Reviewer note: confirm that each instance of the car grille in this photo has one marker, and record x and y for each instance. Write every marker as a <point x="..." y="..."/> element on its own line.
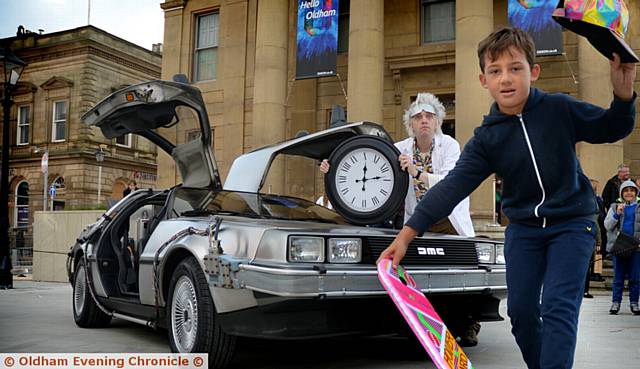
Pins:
<point x="456" y="252"/>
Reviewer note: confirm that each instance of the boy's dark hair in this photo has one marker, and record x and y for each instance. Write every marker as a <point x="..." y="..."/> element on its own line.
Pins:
<point x="504" y="38"/>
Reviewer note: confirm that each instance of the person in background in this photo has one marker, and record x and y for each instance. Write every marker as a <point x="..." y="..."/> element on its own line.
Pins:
<point x="132" y="186"/>
<point x="529" y="139"/>
<point x="601" y="240"/>
<point x="611" y="188"/>
<point x="427" y="155"/>
<point x="624" y="216"/>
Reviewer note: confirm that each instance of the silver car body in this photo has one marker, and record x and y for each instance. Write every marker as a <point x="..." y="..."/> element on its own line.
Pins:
<point x="253" y="268"/>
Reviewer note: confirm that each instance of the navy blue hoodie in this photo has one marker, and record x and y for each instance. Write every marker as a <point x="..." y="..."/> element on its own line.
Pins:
<point x="534" y="153"/>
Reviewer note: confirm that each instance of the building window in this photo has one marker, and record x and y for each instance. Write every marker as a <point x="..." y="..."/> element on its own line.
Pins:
<point x="21" y="216"/>
<point x="206" y="50"/>
<point x="438" y="20"/>
<point x="24" y="121"/>
<point x="343" y="25"/>
<point x="59" y="128"/>
<point x="124" y="140"/>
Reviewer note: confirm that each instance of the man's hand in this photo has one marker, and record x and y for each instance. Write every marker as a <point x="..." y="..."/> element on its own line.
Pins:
<point x="398" y="247"/>
<point x="324" y="166"/>
<point x="406" y="163"/>
<point x="622" y="77"/>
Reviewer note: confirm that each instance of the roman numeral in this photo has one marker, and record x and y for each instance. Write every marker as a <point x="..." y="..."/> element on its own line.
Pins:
<point x="383" y="192"/>
<point x="364" y="203"/>
<point x="342" y="179"/>
<point x="353" y="159"/>
<point x="365" y="155"/>
<point x="376" y="159"/>
<point x="353" y="200"/>
<point x="344" y="191"/>
<point x="375" y="200"/>
<point x="385" y="168"/>
<point x="345" y="166"/>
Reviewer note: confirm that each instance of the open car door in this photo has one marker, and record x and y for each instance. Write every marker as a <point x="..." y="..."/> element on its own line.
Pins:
<point x="145" y="108"/>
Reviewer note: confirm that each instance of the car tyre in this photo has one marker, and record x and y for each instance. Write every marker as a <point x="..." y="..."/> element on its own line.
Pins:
<point x="86" y="312"/>
<point x="192" y="322"/>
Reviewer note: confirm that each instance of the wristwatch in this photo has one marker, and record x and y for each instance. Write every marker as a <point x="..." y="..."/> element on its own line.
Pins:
<point x="418" y="174"/>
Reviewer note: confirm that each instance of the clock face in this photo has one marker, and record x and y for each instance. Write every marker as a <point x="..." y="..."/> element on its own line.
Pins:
<point x="364" y="179"/>
<point x="365" y="183"/>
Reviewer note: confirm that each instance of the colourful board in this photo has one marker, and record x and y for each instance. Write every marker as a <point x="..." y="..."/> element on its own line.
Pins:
<point x="422" y="318"/>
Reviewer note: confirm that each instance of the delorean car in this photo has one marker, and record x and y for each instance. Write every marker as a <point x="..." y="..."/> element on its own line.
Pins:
<point x="210" y="262"/>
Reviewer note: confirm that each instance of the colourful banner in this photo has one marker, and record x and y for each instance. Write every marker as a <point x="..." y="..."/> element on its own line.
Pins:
<point x="317" y="39"/>
<point x="534" y="17"/>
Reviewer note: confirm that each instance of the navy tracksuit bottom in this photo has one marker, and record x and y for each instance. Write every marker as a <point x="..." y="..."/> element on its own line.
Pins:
<point x="546" y="270"/>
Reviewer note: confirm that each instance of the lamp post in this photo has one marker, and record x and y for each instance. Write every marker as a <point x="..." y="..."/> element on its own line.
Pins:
<point x="12" y="68"/>
<point x="99" y="159"/>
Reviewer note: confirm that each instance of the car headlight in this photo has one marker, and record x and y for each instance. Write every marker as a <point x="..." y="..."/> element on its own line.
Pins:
<point x="345" y="250"/>
<point x="305" y="249"/>
<point x="486" y="253"/>
<point x="500" y="254"/>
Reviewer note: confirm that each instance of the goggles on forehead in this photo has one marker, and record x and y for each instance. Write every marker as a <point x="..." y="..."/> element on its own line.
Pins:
<point x="418" y="108"/>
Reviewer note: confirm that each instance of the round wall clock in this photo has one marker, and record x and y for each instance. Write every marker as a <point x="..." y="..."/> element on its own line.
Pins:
<point x="365" y="183"/>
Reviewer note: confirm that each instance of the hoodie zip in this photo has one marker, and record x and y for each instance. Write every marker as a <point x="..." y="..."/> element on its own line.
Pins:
<point x="535" y="167"/>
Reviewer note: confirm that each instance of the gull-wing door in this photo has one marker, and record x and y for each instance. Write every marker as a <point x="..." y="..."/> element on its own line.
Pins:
<point x="249" y="171"/>
<point x="146" y="109"/>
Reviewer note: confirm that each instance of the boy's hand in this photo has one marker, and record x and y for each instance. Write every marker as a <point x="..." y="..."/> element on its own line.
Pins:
<point x="622" y="77"/>
<point x="399" y="246"/>
<point x="324" y="166"/>
<point x="620" y="209"/>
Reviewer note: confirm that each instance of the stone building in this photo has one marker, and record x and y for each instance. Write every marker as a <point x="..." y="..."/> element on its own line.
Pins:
<point x="68" y="72"/>
<point x="241" y="54"/>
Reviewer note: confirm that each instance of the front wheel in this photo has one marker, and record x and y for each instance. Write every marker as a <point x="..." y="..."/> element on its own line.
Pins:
<point x="86" y="312"/>
<point x="191" y="318"/>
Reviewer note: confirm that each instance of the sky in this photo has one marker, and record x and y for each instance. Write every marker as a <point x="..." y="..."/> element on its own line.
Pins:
<point x="137" y="21"/>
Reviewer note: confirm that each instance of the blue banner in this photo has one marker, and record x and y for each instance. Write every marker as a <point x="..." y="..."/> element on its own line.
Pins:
<point x="534" y="17"/>
<point x="317" y="38"/>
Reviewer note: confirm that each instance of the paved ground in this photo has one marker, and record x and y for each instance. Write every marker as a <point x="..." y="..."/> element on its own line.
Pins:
<point x="36" y="317"/>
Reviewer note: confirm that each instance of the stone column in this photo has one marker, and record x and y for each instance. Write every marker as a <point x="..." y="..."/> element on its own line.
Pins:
<point x="233" y="60"/>
<point x="171" y="65"/>
<point x="594" y="86"/>
<point x="474" y="21"/>
<point x="366" y="61"/>
<point x="270" y="84"/>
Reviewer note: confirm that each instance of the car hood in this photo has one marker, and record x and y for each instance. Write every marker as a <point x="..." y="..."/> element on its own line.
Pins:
<point x="141" y="109"/>
<point x="249" y="171"/>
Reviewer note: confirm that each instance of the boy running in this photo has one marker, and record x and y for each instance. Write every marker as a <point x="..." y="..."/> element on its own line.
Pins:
<point x="529" y="139"/>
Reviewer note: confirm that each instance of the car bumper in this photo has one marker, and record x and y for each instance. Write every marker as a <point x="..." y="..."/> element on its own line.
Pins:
<point x="363" y="281"/>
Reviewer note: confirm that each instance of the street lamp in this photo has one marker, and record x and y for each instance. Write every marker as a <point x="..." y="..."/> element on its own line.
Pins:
<point x="99" y="159"/>
<point x="12" y="68"/>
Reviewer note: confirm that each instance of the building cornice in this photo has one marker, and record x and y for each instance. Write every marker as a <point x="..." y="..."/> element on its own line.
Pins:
<point x="171" y="5"/>
<point x="90" y="48"/>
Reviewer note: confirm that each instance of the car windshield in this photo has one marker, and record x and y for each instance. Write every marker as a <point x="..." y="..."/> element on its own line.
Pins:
<point x="199" y="202"/>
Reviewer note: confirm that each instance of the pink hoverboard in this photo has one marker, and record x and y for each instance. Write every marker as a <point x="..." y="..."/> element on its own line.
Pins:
<point x="422" y="318"/>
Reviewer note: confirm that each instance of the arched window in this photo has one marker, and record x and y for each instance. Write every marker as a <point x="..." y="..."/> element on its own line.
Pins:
<point x="57" y="201"/>
<point x="21" y="210"/>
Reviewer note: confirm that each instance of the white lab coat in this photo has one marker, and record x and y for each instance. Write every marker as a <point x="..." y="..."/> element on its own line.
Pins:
<point x="445" y="154"/>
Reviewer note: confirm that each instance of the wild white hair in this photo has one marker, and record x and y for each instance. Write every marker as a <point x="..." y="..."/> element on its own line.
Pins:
<point x="424" y="98"/>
